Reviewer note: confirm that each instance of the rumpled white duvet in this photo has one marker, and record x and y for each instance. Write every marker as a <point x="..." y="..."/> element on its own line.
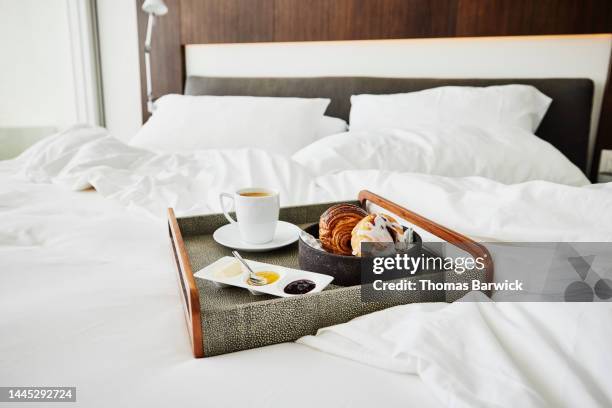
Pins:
<point x="482" y="354"/>
<point x="88" y="297"/>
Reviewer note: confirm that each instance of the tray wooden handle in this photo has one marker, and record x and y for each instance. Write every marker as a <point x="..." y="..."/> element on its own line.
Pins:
<point x="189" y="290"/>
<point x="461" y="241"/>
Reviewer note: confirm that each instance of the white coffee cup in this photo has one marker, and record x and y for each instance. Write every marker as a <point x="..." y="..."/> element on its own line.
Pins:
<point x="256" y="212"/>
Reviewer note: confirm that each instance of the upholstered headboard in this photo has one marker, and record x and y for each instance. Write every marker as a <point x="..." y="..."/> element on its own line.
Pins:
<point x="566" y="125"/>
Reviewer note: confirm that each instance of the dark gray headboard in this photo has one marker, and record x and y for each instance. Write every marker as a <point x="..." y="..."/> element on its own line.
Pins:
<point x="566" y="124"/>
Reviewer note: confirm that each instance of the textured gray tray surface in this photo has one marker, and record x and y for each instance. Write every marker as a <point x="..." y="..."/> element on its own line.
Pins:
<point x="203" y="250"/>
<point x="232" y="319"/>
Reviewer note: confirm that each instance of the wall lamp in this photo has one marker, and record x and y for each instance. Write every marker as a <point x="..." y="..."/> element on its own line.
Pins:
<point x="153" y="8"/>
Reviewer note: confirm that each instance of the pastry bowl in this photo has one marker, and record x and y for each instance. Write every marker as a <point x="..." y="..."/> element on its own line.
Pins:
<point x="346" y="269"/>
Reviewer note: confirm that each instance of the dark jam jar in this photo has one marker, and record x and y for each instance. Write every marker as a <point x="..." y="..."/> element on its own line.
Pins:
<point x="299" y="287"/>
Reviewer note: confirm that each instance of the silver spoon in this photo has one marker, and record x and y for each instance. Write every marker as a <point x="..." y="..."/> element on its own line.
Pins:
<point x="253" y="278"/>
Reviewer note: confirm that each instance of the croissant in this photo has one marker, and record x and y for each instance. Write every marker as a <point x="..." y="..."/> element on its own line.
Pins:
<point x="336" y="225"/>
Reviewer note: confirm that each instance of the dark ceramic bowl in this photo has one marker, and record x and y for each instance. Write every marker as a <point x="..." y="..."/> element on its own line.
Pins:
<point x="346" y="269"/>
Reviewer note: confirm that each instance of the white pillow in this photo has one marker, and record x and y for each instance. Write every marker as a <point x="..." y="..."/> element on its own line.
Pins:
<point x="330" y="125"/>
<point x="505" y="154"/>
<point x="508" y="105"/>
<point x="183" y="123"/>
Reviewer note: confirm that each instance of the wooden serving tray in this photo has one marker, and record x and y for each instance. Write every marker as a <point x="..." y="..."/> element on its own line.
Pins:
<point x="223" y="320"/>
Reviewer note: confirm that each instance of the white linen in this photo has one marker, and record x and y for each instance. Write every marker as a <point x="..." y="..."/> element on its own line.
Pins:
<point x="88" y="294"/>
<point x="506" y="154"/>
<point x="184" y="123"/>
<point x="480" y="354"/>
<point x="89" y="298"/>
<point x="536" y="211"/>
<point x="81" y="157"/>
<point x="521" y="106"/>
<point x="330" y="125"/>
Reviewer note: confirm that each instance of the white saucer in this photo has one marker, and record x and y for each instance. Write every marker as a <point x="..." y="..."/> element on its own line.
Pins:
<point x="229" y="236"/>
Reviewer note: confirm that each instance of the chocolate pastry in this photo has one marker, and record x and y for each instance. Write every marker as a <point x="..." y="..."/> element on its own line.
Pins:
<point x="336" y="225"/>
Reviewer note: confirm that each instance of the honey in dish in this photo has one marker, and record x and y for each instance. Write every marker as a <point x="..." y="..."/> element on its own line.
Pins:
<point x="269" y="276"/>
<point x="255" y="194"/>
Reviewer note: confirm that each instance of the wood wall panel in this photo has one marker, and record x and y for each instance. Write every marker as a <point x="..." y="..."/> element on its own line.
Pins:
<point x="528" y="17"/>
<point x="227" y="21"/>
<point x="379" y="19"/>
<point x="296" y="20"/>
<point x="223" y="21"/>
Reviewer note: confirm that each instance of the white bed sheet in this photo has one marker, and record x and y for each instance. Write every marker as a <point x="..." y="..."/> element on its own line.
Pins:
<point x="478" y="353"/>
<point x="88" y="294"/>
<point x="89" y="298"/>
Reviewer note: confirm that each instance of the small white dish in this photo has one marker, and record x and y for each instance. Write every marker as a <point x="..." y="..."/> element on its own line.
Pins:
<point x="285" y="276"/>
<point x="229" y="236"/>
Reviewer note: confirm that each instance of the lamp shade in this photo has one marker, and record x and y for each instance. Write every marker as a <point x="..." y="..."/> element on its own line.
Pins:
<point x="157" y="7"/>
